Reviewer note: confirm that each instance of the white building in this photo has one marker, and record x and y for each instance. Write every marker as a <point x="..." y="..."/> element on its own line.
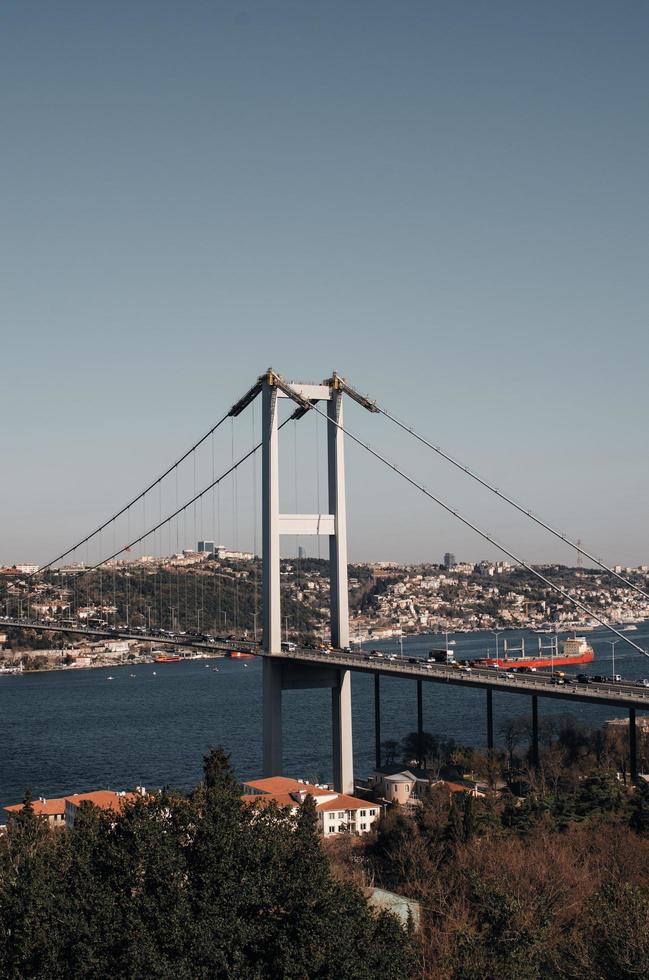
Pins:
<point x="337" y="813"/>
<point x="221" y="552"/>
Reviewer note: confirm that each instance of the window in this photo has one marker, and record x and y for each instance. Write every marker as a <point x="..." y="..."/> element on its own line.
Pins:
<point x="363" y="813"/>
<point x="372" y="813"/>
<point x="363" y="826"/>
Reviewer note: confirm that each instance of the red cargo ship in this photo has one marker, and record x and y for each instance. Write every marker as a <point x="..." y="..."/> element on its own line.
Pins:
<point x="573" y="651"/>
<point x="167" y="658"/>
<point x="239" y="655"/>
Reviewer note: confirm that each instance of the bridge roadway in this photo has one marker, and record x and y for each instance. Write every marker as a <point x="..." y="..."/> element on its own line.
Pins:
<point x="621" y="694"/>
<point x="615" y="695"/>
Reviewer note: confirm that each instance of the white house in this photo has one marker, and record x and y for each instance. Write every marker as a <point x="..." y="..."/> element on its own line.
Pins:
<point x="337" y="813"/>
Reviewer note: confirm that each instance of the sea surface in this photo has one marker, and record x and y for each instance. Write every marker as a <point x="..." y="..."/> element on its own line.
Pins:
<point x="72" y="731"/>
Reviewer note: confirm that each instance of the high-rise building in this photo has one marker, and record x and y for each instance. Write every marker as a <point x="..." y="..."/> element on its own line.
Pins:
<point x="449" y="560"/>
<point x="301" y="553"/>
<point x="206" y="547"/>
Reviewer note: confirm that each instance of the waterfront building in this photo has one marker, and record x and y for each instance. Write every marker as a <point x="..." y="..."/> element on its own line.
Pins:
<point x="407" y="788"/>
<point x="103" y="799"/>
<point x="52" y="810"/>
<point x="337" y="812"/>
<point x="398" y="787"/>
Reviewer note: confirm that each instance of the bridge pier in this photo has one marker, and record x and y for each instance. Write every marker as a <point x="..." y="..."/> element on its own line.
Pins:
<point x="281" y="675"/>
<point x="490" y="721"/>
<point x="633" y="749"/>
<point x="272" y="717"/>
<point x="377" y="719"/>
<point x="420" y="720"/>
<point x="535" y="730"/>
<point x="341" y="725"/>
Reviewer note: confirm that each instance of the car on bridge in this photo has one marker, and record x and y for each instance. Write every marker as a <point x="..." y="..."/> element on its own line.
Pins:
<point x="642" y="682"/>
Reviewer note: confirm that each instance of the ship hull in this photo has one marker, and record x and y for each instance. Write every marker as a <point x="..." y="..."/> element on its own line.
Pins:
<point x="539" y="662"/>
<point x="240" y="655"/>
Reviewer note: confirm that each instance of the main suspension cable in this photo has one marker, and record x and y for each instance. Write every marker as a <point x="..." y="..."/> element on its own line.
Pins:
<point x="503" y="496"/>
<point x="179" y="510"/>
<point x="135" y="499"/>
<point x="474" y="527"/>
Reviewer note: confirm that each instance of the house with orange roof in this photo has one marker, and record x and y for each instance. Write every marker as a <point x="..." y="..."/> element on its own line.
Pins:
<point x="52" y="810"/>
<point x="103" y="799"/>
<point x="60" y="813"/>
<point x="336" y="812"/>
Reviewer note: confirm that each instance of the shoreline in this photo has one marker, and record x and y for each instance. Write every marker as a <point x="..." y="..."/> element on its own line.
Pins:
<point x="122" y="663"/>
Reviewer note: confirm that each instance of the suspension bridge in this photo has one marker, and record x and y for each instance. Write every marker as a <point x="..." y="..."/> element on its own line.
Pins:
<point x="158" y="518"/>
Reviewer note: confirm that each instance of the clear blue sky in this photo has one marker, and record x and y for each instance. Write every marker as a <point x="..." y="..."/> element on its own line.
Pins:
<point x="447" y="202"/>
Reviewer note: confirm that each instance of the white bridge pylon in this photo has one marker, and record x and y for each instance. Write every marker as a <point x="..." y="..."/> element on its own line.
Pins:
<point x="279" y="674"/>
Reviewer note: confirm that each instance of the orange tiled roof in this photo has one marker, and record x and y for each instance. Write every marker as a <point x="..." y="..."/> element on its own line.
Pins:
<point x="453" y="787"/>
<point x="277" y="785"/>
<point x="265" y="799"/>
<point x="104" y="799"/>
<point x="344" y="802"/>
<point x="46" y="808"/>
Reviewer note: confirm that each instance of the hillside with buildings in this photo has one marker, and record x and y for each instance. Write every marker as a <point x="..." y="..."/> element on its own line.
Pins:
<point x="218" y="593"/>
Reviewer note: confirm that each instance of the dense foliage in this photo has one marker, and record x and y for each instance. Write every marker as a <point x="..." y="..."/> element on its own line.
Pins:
<point x="186" y="887"/>
<point x="549" y="879"/>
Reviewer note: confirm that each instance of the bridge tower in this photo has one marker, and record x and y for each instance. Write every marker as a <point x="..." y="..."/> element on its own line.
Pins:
<point x="279" y="674"/>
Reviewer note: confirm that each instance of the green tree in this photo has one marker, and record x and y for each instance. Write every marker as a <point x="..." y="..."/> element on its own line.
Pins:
<point x="454" y="830"/>
<point x="422" y="747"/>
<point x="639" y="809"/>
<point x="469" y="817"/>
<point x="389" y="750"/>
<point x="205" y="886"/>
<point x="616" y="943"/>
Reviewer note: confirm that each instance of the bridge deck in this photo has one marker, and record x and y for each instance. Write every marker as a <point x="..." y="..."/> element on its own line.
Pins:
<point x="615" y="695"/>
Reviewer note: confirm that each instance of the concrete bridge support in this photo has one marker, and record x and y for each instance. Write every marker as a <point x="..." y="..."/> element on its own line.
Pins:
<point x="535" y="730"/>
<point x="633" y="747"/>
<point x="281" y="675"/>
<point x="490" y="721"/>
<point x="420" y="721"/>
<point x="377" y="720"/>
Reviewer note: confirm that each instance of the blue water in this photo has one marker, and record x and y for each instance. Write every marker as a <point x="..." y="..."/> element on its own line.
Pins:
<point x="72" y="731"/>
